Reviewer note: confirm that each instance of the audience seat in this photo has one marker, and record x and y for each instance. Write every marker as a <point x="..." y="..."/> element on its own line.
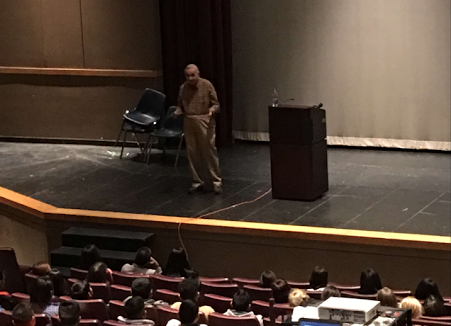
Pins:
<point x="166" y="282"/>
<point x="425" y="322"/>
<point x="442" y="318"/>
<point x="89" y="322"/>
<point x="120" y="292"/>
<point x="101" y="291"/>
<point x="402" y="293"/>
<point x="117" y="323"/>
<point x="20" y="297"/>
<point x="166" y="295"/>
<point x="314" y="294"/>
<point x="6" y="318"/>
<point x="126" y="278"/>
<point x="241" y="281"/>
<point x="351" y="294"/>
<point x="214" y="279"/>
<point x="263" y="308"/>
<point x="217" y="302"/>
<point x="93" y="309"/>
<point x="30" y="279"/>
<point x="267" y="321"/>
<point x="226" y="290"/>
<point x="298" y="285"/>
<point x="217" y="319"/>
<point x="9" y="265"/>
<point x="165" y="314"/>
<point x="116" y="309"/>
<point x="79" y="274"/>
<point x="42" y="320"/>
<point x="343" y="287"/>
<point x="258" y="293"/>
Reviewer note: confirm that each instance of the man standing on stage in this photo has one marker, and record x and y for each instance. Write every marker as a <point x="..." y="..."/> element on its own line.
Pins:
<point x="198" y="102"/>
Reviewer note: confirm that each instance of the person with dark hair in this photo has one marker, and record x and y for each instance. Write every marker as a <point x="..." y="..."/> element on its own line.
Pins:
<point x="188" y="315"/>
<point x="142" y="287"/>
<point x="189" y="290"/>
<point x="434" y="306"/>
<point x="177" y="264"/>
<point x="425" y="288"/>
<point x="267" y="278"/>
<point x="240" y="306"/>
<point x="60" y="286"/>
<point x="387" y="298"/>
<point x="81" y="290"/>
<point x="89" y="255"/>
<point x="330" y="291"/>
<point x="144" y="263"/>
<point x="370" y="282"/>
<point x="69" y="313"/>
<point x="41" y="297"/>
<point x="318" y="278"/>
<point x="281" y="291"/>
<point x="135" y="312"/>
<point x="41" y="268"/>
<point x="23" y="315"/>
<point x="98" y="273"/>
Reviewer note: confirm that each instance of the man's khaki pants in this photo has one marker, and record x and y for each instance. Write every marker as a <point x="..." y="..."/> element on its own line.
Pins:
<point x="200" y="135"/>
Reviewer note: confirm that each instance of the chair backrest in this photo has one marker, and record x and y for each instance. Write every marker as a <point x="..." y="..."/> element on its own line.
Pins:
<point x="172" y="122"/>
<point x="166" y="295"/>
<point x="117" y="323"/>
<point x="152" y="103"/>
<point x="93" y="309"/>
<point x="89" y="322"/>
<point x="267" y="321"/>
<point x="101" y="291"/>
<point x="226" y="290"/>
<point x="258" y="293"/>
<point x="30" y="279"/>
<point x="426" y="322"/>
<point x="79" y="274"/>
<point x="166" y="282"/>
<point x="241" y="281"/>
<point x="443" y="318"/>
<point x="166" y="313"/>
<point x="214" y="279"/>
<point x="20" y="297"/>
<point x="217" y="302"/>
<point x="125" y="278"/>
<point x="352" y="294"/>
<point x="120" y="292"/>
<point x="8" y="264"/>
<point x="263" y="308"/>
<point x="42" y="319"/>
<point x="343" y="287"/>
<point x="298" y="285"/>
<point x="6" y="318"/>
<point x="116" y="309"/>
<point x="217" y="319"/>
<point x="314" y="294"/>
<point x="402" y="293"/>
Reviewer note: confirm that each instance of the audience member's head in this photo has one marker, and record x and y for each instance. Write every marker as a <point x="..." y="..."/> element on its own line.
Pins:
<point x="23" y="315"/>
<point x="134" y="308"/>
<point x="370" y="282"/>
<point x="89" y="255"/>
<point x="69" y="313"/>
<point x="143" y="256"/>
<point x="241" y="300"/>
<point x="189" y="289"/>
<point x="297" y="297"/>
<point x="281" y="291"/>
<point x="98" y="273"/>
<point x="81" y="290"/>
<point x="387" y="297"/>
<point x="425" y="288"/>
<point x="433" y="306"/>
<point x="177" y="263"/>
<point x="267" y="278"/>
<point x="41" y="292"/>
<point x="188" y="312"/>
<point x="318" y="278"/>
<point x="330" y="291"/>
<point x="413" y="304"/>
<point x="60" y="286"/>
<point x="142" y="287"/>
<point x="41" y="268"/>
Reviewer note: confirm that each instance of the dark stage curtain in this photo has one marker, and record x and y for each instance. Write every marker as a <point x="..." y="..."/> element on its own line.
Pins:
<point x="199" y="32"/>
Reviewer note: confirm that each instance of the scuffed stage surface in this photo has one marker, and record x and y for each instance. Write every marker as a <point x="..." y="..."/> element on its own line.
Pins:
<point x="373" y="190"/>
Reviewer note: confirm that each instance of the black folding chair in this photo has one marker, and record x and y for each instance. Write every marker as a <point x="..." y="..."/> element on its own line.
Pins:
<point x="142" y="119"/>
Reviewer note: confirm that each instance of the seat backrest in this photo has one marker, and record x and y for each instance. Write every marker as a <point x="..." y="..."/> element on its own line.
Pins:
<point x="241" y="281"/>
<point x="217" y="319"/>
<point x="93" y="309"/>
<point x="120" y="292"/>
<point x="258" y="293"/>
<point x="117" y="323"/>
<point x="344" y="287"/>
<point x="217" y="302"/>
<point x="6" y="319"/>
<point x="263" y="308"/>
<point x="166" y="313"/>
<point x="226" y="290"/>
<point x="298" y="285"/>
<point x="30" y="279"/>
<point x="425" y="322"/>
<point x="166" y="295"/>
<point x="101" y="291"/>
<point x="166" y="282"/>
<point x="20" y="297"/>
<point x="314" y="294"/>
<point x="42" y="319"/>
<point x="79" y="274"/>
<point x="173" y="122"/>
<point x="9" y="265"/>
<point x="116" y="309"/>
<point x="125" y="278"/>
<point x="89" y="322"/>
<point x="352" y="294"/>
<point x="152" y="103"/>
<point x="214" y="279"/>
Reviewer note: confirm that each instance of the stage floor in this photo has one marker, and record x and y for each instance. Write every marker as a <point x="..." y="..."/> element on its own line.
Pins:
<point x="376" y="190"/>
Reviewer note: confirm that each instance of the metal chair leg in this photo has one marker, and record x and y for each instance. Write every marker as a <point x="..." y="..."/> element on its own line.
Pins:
<point x="123" y="145"/>
<point x="120" y="132"/>
<point x="149" y="151"/>
<point x="178" y="151"/>
<point x="137" y="141"/>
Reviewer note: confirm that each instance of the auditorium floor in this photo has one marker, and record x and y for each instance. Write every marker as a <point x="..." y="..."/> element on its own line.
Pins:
<point x="379" y="190"/>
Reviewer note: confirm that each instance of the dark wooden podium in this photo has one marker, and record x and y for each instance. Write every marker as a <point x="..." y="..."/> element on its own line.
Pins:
<point x="298" y="152"/>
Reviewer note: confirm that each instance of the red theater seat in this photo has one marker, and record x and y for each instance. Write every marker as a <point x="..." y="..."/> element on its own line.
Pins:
<point x="126" y="278"/>
<point x="241" y="281"/>
<point x="79" y="274"/>
<point x="258" y="293"/>
<point x="167" y="296"/>
<point x="120" y="292"/>
<point x="217" y="302"/>
<point x="166" y="282"/>
<point x="217" y="319"/>
<point x="226" y="290"/>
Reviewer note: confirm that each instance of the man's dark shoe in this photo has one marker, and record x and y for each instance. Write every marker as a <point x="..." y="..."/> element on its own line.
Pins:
<point x="196" y="190"/>
<point x="217" y="190"/>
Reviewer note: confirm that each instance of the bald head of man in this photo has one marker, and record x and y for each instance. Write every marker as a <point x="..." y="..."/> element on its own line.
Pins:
<point x="192" y="74"/>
